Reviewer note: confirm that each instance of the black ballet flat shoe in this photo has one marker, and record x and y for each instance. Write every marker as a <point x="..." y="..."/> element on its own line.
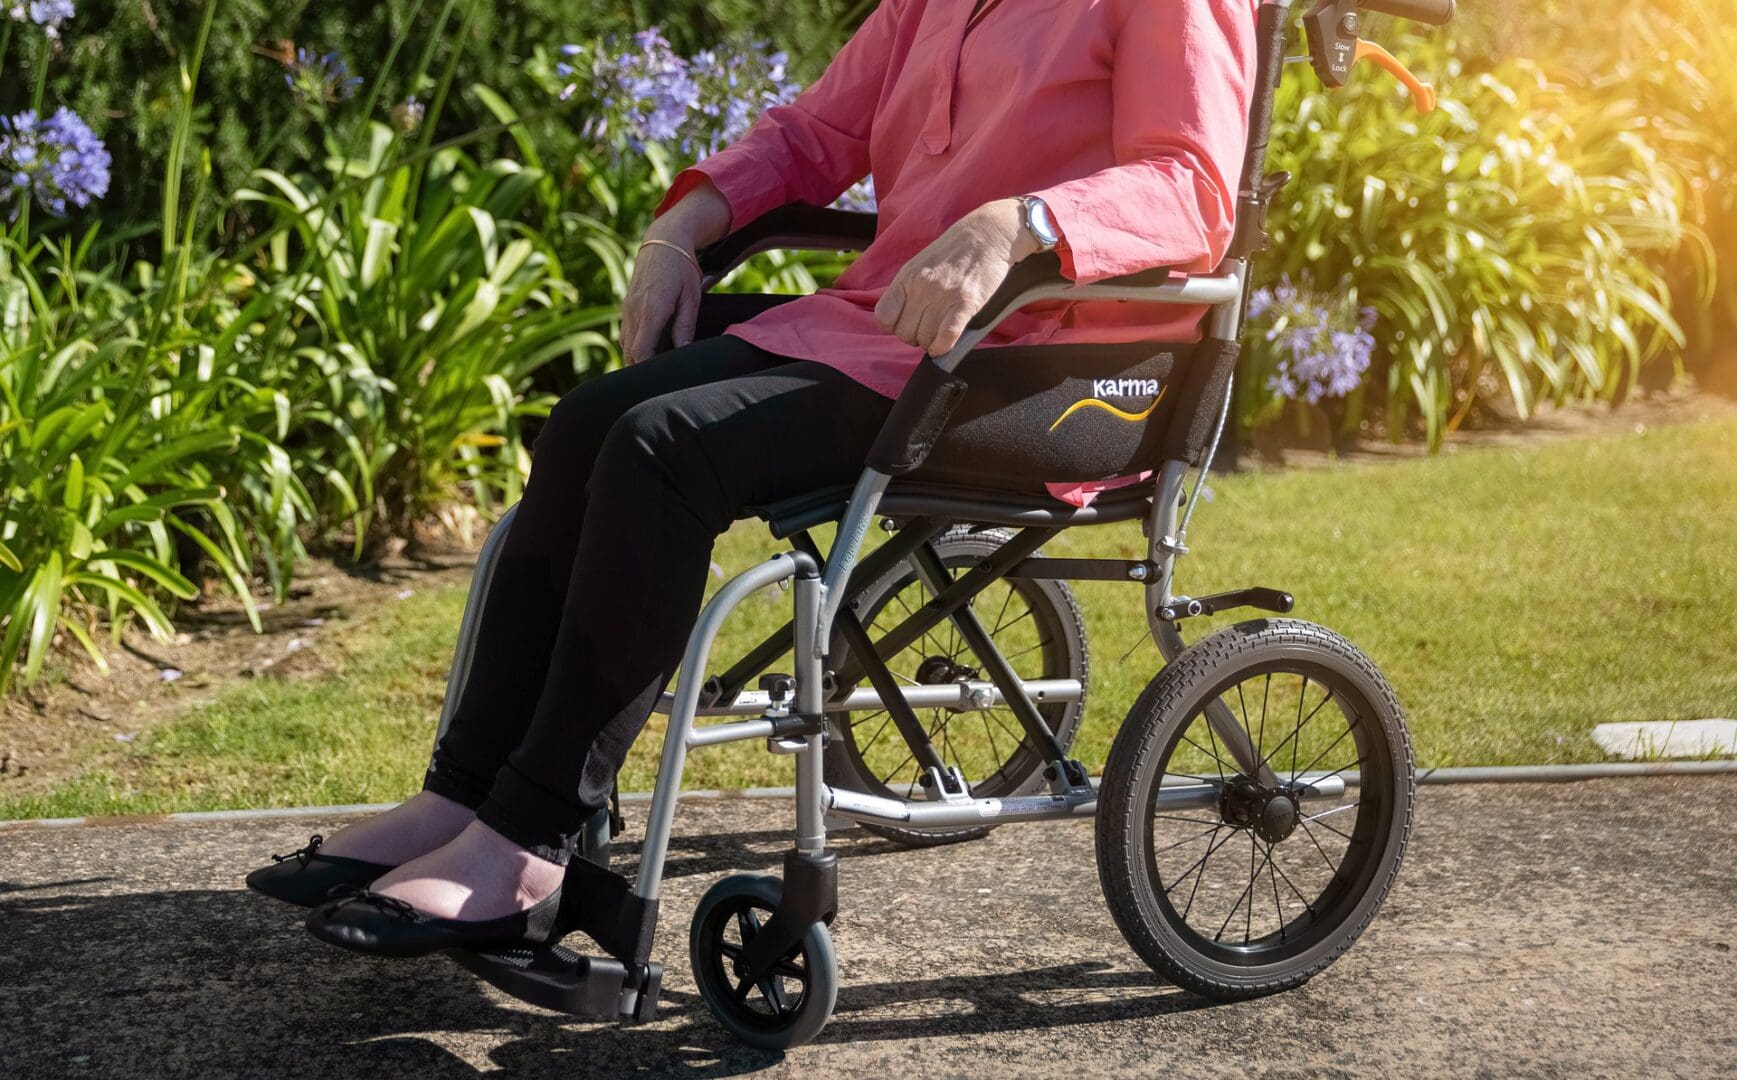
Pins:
<point x="306" y="878"/>
<point x="367" y="922"/>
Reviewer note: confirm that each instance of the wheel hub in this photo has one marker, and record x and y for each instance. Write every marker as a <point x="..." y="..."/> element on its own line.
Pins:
<point x="937" y="670"/>
<point x="1272" y="814"/>
<point x="1278" y="818"/>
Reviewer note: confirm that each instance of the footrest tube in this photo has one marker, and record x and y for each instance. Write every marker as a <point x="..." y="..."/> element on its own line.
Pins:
<point x="555" y="977"/>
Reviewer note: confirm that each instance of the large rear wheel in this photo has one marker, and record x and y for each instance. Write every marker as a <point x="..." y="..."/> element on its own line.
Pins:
<point x="1235" y="882"/>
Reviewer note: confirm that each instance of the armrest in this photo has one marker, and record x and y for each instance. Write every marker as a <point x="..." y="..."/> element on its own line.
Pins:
<point x="792" y="228"/>
<point x="1043" y="271"/>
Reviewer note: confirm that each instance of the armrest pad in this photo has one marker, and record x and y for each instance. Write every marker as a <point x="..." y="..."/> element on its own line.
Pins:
<point x="793" y="227"/>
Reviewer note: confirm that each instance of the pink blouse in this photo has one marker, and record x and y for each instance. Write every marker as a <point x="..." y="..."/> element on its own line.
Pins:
<point x="1127" y="117"/>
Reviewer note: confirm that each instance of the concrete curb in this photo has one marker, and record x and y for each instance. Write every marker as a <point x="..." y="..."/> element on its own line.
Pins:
<point x="1487" y="774"/>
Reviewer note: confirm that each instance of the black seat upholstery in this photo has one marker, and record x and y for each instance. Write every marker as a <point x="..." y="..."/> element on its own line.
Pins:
<point x="916" y="498"/>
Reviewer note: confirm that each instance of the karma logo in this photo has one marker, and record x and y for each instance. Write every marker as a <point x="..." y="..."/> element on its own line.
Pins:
<point x="1103" y="388"/>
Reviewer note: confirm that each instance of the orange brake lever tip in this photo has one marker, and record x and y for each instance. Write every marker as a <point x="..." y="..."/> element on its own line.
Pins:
<point x="1421" y="92"/>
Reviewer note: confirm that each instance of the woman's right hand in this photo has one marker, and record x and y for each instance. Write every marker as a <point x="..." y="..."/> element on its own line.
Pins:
<point x="664" y="291"/>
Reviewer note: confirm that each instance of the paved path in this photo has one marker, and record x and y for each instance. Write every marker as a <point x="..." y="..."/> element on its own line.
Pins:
<point x="1571" y="930"/>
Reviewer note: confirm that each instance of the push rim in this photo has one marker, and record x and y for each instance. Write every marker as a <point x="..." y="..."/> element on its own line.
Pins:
<point x="987" y="746"/>
<point x="1245" y="883"/>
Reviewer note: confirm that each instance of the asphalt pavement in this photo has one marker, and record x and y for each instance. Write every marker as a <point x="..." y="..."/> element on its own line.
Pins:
<point x="1576" y="930"/>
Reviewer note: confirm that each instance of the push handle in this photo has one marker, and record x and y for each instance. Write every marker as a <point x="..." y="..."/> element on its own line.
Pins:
<point x="1433" y="12"/>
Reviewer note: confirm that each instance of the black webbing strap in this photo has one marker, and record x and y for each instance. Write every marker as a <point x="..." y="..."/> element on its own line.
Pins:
<point x="916" y="420"/>
<point x="609" y="912"/>
<point x="1201" y="400"/>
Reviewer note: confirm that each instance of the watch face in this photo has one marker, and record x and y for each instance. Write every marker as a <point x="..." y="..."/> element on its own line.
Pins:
<point x="1041" y="224"/>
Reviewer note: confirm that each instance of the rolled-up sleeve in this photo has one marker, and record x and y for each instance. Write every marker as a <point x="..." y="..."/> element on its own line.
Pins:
<point x="812" y="149"/>
<point x="1181" y="83"/>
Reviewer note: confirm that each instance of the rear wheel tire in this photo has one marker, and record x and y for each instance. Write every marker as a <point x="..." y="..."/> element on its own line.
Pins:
<point x="1269" y="884"/>
<point x="1035" y="623"/>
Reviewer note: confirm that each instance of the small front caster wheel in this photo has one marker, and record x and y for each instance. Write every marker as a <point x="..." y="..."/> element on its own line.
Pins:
<point x="787" y="1007"/>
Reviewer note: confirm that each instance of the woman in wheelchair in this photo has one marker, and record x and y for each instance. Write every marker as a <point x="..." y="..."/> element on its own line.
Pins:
<point x="1109" y="133"/>
<point x="977" y="381"/>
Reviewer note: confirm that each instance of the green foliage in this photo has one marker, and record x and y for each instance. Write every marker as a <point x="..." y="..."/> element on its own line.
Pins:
<point x="1509" y="241"/>
<point x="119" y="67"/>
<point x="410" y="307"/>
<point x="299" y="322"/>
<point x="122" y="438"/>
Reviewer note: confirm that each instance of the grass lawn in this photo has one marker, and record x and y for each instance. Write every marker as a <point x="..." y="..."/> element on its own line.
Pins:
<point x="1515" y="597"/>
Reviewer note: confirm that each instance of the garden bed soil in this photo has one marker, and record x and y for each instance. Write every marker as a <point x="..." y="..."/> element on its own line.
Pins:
<point x="54" y="730"/>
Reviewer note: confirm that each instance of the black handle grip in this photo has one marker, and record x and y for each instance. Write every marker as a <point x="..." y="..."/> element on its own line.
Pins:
<point x="1433" y="12"/>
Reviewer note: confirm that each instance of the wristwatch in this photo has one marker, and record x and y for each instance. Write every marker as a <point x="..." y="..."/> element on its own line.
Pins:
<point x="1039" y="222"/>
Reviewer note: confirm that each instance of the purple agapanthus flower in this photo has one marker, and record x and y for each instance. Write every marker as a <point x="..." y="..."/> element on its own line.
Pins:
<point x="58" y="160"/>
<point x="737" y="88"/>
<point x="1324" y="348"/>
<point x="48" y="14"/>
<point x="644" y="92"/>
<point x="320" y="79"/>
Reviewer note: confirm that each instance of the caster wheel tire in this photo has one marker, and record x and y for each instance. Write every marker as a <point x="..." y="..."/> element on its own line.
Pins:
<point x="1035" y="623"/>
<point x="788" y="1007"/>
<point x="1231" y="885"/>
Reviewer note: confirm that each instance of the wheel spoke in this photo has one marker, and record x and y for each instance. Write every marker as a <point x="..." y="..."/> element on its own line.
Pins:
<point x="1220" y="761"/>
<point x="1024" y="614"/>
<point x="866" y="747"/>
<point x="1189" y="820"/>
<point x="774" y="995"/>
<point x="1329" y="749"/>
<point x="1336" y="772"/>
<point x="1266" y="692"/>
<point x="1213" y="736"/>
<point x="1240" y="897"/>
<point x="1306" y="904"/>
<point x="1200" y="863"/>
<point x="1190" y="840"/>
<point x="1201" y="876"/>
<point x="1293" y="737"/>
<point x="1331" y="865"/>
<point x="1253" y="877"/>
<point x="993" y="749"/>
<point x="1005" y="600"/>
<point x="1329" y="828"/>
<point x="1027" y="649"/>
<point x="1278" y="909"/>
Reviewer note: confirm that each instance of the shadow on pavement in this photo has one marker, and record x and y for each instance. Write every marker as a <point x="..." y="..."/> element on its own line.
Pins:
<point x="223" y="982"/>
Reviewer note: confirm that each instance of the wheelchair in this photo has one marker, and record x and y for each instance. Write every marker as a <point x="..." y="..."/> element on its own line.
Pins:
<point x="1258" y="798"/>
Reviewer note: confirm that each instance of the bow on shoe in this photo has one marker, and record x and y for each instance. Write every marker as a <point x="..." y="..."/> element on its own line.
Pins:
<point x="388" y="904"/>
<point x="302" y="855"/>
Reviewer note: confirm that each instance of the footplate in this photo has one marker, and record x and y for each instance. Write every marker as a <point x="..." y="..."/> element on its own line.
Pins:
<point x="555" y="977"/>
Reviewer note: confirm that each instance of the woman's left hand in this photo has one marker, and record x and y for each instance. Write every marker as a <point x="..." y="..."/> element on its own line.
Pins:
<point x="935" y="295"/>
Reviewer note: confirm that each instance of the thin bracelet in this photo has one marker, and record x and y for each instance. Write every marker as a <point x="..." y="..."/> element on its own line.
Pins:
<point x="686" y="254"/>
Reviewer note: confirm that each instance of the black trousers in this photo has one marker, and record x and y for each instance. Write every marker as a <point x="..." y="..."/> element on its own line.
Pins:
<point x="600" y="580"/>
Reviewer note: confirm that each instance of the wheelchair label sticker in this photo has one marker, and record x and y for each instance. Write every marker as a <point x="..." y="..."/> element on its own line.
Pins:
<point x="988" y="807"/>
<point x="1103" y="388"/>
